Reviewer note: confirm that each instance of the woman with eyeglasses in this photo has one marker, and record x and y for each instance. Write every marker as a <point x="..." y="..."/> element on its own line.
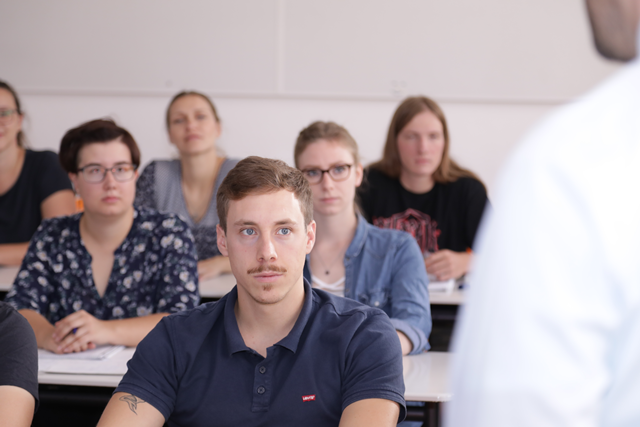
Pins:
<point x="187" y="186"/>
<point x="417" y="187"/>
<point x="33" y="186"/>
<point x="352" y="258"/>
<point x="109" y="274"/>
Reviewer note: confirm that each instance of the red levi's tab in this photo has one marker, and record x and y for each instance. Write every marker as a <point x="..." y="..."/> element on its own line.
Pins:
<point x="308" y="397"/>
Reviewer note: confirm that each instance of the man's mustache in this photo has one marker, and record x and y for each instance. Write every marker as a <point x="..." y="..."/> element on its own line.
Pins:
<point x="263" y="268"/>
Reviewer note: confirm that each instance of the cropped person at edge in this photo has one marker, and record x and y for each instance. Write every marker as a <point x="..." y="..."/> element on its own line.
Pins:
<point x="33" y="186"/>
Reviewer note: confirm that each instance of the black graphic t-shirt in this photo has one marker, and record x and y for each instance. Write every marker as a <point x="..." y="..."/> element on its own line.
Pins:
<point x="446" y="217"/>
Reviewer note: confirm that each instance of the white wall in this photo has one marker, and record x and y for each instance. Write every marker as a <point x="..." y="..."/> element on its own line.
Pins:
<point x="481" y="133"/>
<point x="274" y="66"/>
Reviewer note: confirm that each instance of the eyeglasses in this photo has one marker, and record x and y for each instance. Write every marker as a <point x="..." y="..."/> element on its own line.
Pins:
<point x="6" y="116"/>
<point x="95" y="173"/>
<point x="337" y="173"/>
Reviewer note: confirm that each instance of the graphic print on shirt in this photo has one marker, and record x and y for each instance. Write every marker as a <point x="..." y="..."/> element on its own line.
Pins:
<point x="418" y="224"/>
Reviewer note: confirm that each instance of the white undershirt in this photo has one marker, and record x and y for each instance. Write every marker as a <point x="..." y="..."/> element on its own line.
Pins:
<point x="336" y="288"/>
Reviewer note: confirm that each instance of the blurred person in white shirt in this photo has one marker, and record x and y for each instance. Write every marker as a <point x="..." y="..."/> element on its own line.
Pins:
<point x="549" y="336"/>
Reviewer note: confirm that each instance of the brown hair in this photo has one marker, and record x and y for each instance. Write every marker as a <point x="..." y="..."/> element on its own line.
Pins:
<point x="328" y="131"/>
<point x="189" y="93"/>
<point x="390" y="165"/>
<point x="100" y="130"/>
<point x="4" y="85"/>
<point x="257" y="175"/>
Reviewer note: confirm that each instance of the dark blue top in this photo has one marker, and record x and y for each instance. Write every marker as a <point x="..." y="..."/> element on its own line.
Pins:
<point x="194" y="366"/>
<point x="445" y="217"/>
<point x="20" y="207"/>
<point x="18" y="352"/>
<point x="154" y="270"/>
<point x="385" y="269"/>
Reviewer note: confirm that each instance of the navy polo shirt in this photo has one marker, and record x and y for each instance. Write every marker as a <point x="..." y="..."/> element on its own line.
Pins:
<point x="195" y="368"/>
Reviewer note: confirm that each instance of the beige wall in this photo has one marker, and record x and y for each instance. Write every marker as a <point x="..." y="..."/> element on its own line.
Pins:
<point x="274" y="66"/>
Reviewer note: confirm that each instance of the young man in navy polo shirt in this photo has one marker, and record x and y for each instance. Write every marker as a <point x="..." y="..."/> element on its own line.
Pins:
<point x="273" y="351"/>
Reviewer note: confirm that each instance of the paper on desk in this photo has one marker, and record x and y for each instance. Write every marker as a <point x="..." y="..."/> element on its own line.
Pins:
<point x="116" y="365"/>
<point x="445" y="286"/>
<point x="84" y="367"/>
<point x="98" y="353"/>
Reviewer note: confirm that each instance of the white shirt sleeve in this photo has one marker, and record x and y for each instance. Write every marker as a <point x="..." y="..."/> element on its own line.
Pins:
<point x="550" y="335"/>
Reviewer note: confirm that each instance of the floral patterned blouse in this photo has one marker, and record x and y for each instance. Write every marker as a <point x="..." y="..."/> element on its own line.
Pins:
<point x="154" y="270"/>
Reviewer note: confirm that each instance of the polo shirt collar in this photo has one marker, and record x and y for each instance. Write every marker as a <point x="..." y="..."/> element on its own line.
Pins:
<point x="291" y="341"/>
<point x="359" y="239"/>
<point x="235" y="342"/>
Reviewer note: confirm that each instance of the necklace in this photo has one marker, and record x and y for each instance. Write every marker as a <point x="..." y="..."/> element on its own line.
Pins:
<point x="327" y="269"/>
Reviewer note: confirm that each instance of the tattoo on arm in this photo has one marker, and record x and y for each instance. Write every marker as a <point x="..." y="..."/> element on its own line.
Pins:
<point x="132" y="401"/>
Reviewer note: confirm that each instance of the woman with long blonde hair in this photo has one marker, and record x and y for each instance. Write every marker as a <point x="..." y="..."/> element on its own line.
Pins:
<point x="417" y="187"/>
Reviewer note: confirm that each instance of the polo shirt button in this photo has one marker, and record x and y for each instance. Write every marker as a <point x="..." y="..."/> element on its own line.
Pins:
<point x="263" y="369"/>
<point x="261" y="390"/>
<point x="377" y="303"/>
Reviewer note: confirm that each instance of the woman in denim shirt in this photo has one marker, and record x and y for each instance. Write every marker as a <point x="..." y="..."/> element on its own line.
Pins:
<point x="380" y="268"/>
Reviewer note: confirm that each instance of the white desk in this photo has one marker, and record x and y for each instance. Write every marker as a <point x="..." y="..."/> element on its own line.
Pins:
<point x="217" y="287"/>
<point x="7" y="274"/>
<point x="110" y="381"/>
<point x="425" y="376"/>
<point x="211" y="288"/>
<point x="221" y="285"/>
<point x="455" y="297"/>
<point x="90" y="371"/>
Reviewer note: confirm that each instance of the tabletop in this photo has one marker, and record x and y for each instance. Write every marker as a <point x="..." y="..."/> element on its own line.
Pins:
<point x="425" y="375"/>
<point x="219" y="286"/>
<point x="7" y="274"/>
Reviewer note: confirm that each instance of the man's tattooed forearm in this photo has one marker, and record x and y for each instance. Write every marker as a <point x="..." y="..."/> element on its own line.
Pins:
<point x="132" y="401"/>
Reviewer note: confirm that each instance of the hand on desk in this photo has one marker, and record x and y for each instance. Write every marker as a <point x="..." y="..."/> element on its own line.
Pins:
<point x="50" y="336"/>
<point x="446" y="264"/>
<point x="79" y="331"/>
<point x="89" y="331"/>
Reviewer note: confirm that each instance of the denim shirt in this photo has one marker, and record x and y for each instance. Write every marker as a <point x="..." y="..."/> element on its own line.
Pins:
<point x="385" y="269"/>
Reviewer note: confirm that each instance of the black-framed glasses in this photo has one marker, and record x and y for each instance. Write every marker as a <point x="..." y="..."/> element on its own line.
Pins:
<point x="6" y="116"/>
<point x="121" y="172"/>
<point x="337" y="173"/>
